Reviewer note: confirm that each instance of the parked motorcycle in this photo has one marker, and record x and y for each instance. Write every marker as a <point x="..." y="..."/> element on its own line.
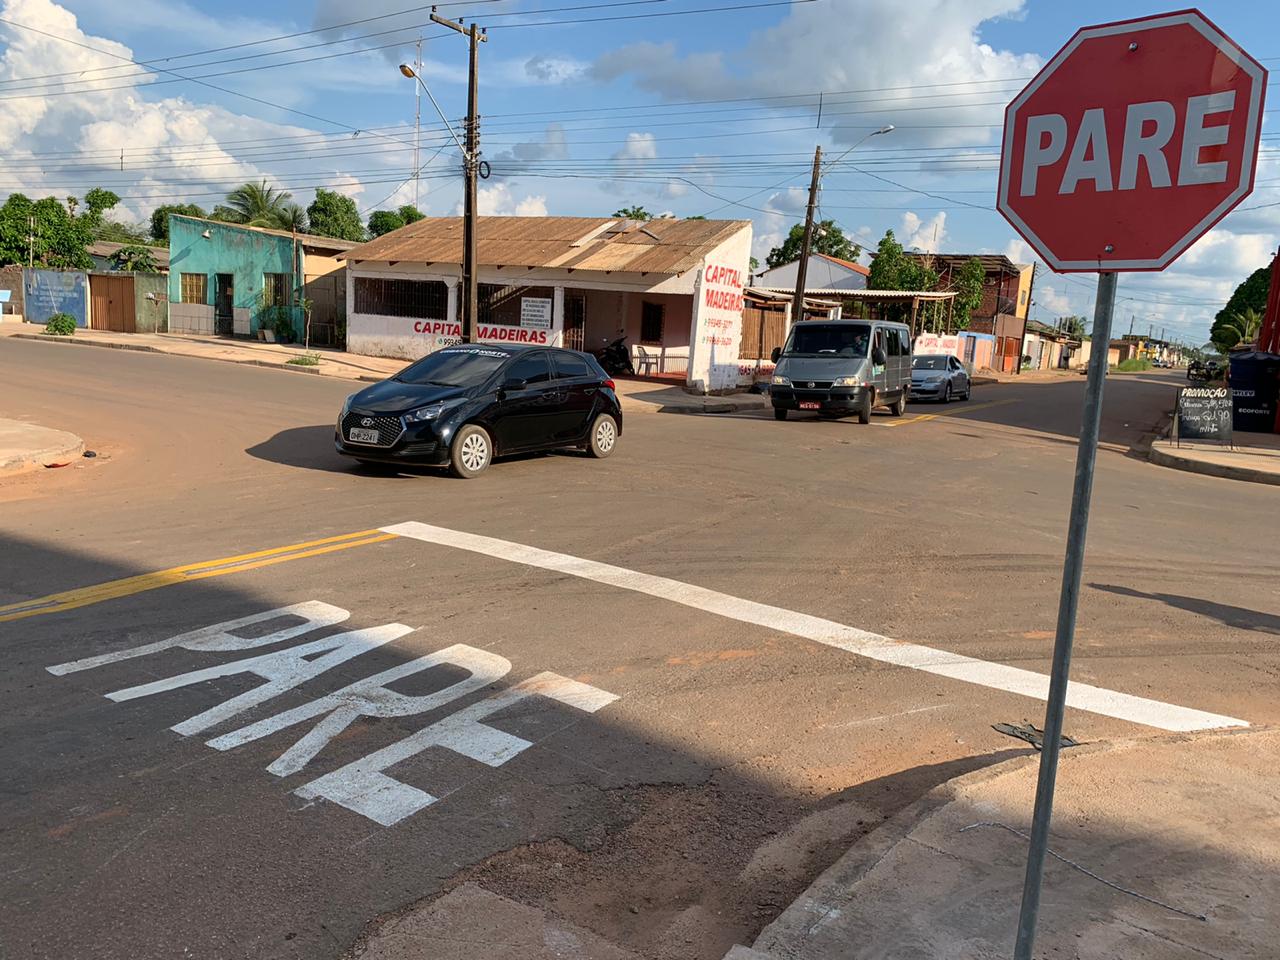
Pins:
<point x="615" y="357"/>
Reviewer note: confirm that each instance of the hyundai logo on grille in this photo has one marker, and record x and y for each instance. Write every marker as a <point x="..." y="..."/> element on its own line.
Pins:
<point x="810" y="384"/>
<point x="367" y="422"/>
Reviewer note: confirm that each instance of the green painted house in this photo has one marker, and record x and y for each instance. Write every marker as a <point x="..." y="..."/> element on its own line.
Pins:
<point x="228" y="279"/>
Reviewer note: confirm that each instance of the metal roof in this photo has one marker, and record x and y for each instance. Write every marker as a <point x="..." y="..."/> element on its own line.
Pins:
<point x="105" y="248"/>
<point x="305" y="239"/>
<point x="991" y="262"/>
<point x="665" y="246"/>
<point x="866" y="294"/>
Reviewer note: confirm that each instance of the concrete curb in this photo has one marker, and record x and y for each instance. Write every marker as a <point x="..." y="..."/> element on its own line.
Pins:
<point x="1168" y="458"/>
<point x="819" y="905"/>
<point x="62" y="449"/>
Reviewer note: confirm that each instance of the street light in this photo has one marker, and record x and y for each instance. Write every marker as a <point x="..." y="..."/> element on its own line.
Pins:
<point x="802" y="268"/>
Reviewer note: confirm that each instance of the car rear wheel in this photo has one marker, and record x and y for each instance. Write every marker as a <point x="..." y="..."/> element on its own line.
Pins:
<point x="604" y="436"/>
<point x="899" y="406"/>
<point x="779" y="413"/>
<point x="472" y="452"/>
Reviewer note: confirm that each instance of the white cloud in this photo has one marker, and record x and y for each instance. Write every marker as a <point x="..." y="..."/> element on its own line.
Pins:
<point x="499" y="201"/>
<point x="549" y="69"/>
<point x="638" y="146"/>
<point x="895" y="49"/>
<point x="927" y="236"/>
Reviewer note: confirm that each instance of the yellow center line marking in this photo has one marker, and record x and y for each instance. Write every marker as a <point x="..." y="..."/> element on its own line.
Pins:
<point x="954" y="413"/>
<point x="111" y="589"/>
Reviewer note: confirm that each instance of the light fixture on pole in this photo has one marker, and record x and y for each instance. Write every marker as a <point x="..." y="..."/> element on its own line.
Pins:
<point x="802" y="267"/>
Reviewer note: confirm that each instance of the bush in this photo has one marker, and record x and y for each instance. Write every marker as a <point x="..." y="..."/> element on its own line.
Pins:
<point x="1133" y="365"/>
<point x="61" y="325"/>
<point x="306" y="360"/>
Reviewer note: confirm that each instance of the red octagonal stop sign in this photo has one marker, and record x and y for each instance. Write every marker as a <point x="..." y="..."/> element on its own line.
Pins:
<point x="1131" y="143"/>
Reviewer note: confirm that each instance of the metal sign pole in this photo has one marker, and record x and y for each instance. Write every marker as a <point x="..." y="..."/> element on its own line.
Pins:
<point x="1067" y="603"/>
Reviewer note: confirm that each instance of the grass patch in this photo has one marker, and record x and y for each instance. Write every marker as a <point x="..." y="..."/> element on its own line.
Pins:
<point x="306" y="360"/>
<point x="1132" y="365"/>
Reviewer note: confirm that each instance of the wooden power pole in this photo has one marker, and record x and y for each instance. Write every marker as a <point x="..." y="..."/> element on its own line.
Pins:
<point x="802" y="267"/>
<point x="471" y="172"/>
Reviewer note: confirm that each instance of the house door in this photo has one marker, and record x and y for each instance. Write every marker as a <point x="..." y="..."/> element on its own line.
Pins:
<point x="575" y="319"/>
<point x="223" y="297"/>
<point x="111" y="303"/>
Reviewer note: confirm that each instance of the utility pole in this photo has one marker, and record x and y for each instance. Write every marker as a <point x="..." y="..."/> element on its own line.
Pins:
<point x="417" y="124"/>
<point x="471" y="170"/>
<point x="802" y="267"/>
<point x="1131" y="318"/>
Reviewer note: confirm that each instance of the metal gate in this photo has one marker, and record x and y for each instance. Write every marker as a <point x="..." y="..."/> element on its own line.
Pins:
<point x="575" y="320"/>
<point x="111" y="303"/>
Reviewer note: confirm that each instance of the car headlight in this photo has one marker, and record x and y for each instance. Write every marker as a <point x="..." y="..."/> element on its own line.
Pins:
<point x="846" y="382"/>
<point x="781" y="381"/>
<point x="431" y="411"/>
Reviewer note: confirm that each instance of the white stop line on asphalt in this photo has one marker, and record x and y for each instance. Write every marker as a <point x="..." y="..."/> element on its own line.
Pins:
<point x="998" y="676"/>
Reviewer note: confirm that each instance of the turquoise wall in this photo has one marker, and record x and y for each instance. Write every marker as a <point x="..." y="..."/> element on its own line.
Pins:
<point x="245" y="254"/>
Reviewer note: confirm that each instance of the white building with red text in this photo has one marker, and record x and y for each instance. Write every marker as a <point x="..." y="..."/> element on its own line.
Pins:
<point x="674" y="288"/>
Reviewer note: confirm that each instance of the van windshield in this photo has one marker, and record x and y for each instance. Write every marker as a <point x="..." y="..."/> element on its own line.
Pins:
<point x="828" y="340"/>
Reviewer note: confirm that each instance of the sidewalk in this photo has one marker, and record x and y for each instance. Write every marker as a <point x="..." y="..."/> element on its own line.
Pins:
<point x="333" y="363"/>
<point x="1185" y="820"/>
<point x="25" y="446"/>
<point x="1255" y="458"/>
<point x="637" y="396"/>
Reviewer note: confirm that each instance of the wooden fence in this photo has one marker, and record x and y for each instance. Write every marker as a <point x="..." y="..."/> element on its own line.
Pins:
<point x="762" y="330"/>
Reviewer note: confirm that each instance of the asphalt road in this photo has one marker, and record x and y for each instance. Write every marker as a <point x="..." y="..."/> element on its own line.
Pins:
<point x="649" y="695"/>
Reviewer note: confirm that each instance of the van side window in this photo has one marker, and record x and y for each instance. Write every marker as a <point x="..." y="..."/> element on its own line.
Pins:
<point x="895" y="343"/>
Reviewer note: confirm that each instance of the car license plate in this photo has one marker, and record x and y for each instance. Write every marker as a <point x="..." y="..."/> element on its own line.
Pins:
<point x="356" y="435"/>
<point x="809" y="405"/>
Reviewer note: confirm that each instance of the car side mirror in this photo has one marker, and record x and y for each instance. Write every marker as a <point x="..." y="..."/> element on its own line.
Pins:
<point x="777" y="352"/>
<point x="878" y="357"/>
<point x="514" y="384"/>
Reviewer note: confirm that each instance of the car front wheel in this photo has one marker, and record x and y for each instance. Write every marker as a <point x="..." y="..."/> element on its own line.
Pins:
<point x="604" y="436"/>
<point x="472" y="452"/>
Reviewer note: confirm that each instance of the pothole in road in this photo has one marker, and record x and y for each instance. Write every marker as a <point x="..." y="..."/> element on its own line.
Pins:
<point x="675" y="872"/>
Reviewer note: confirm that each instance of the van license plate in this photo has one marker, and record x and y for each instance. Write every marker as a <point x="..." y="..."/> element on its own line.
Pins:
<point x="362" y="436"/>
<point x="809" y="405"/>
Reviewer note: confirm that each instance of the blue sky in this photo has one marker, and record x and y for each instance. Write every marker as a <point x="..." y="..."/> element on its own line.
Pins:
<point x="585" y="116"/>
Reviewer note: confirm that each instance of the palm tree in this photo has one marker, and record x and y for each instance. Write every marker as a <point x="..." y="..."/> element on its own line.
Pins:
<point x="292" y="217"/>
<point x="1242" y="327"/>
<point x="260" y="205"/>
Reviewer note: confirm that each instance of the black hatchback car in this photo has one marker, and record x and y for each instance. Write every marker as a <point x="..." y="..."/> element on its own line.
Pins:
<point x="464" y="405"/>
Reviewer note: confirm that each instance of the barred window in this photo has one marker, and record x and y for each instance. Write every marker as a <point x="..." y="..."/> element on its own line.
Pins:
<point x="195" y="288"/>
<point x="275" y="289"/>
<point x="421" y="299"/>
<point x="652" y="316"/>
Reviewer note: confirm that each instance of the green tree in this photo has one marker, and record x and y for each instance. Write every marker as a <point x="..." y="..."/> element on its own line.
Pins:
<point x="224" y="214"/>
<point x="49" y="234"/>
<point x="1240" y="328"/>
<point x="967" y="283"/>
<point x="887" y="265"/>
<point x="333" y="215"/>
<point x="633" y="213"/>
<point x="160" y="218"/>
<point x="1250" y="295"/>
<point x="260" y="205"/>
<point x="384" y="221"/>
<point x="134" y="258"/>
<point x="117" y="231"/>
<point x="1072" y="326"/>
<point x="828" y="239"/>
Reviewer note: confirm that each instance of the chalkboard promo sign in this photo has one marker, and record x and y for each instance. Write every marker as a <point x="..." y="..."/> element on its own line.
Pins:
<point x="1204" y="413"/>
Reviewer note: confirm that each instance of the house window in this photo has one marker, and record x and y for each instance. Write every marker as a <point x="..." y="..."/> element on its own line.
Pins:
<point x="420" y="299"/>
<point x="651" y="317"/>
<point x="1022" y="298"/>
<point x="275" y="289"/>
<point x="195" y="288"/>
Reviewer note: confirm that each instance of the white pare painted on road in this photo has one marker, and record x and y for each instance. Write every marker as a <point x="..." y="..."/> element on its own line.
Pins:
<point x="362" y="786"/>
<point x="998" y="676"/>
<point x="220" y="636"/>
<point x="369" y="698"/>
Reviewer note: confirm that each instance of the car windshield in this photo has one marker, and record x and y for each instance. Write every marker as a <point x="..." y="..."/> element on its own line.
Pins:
<point x="454" y="367"/>
<point x="929" y="363"/>
<point x="828" y="340"/>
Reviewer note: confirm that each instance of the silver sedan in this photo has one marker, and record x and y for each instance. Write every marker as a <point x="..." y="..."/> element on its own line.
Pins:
<point x="939" y="376"/>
